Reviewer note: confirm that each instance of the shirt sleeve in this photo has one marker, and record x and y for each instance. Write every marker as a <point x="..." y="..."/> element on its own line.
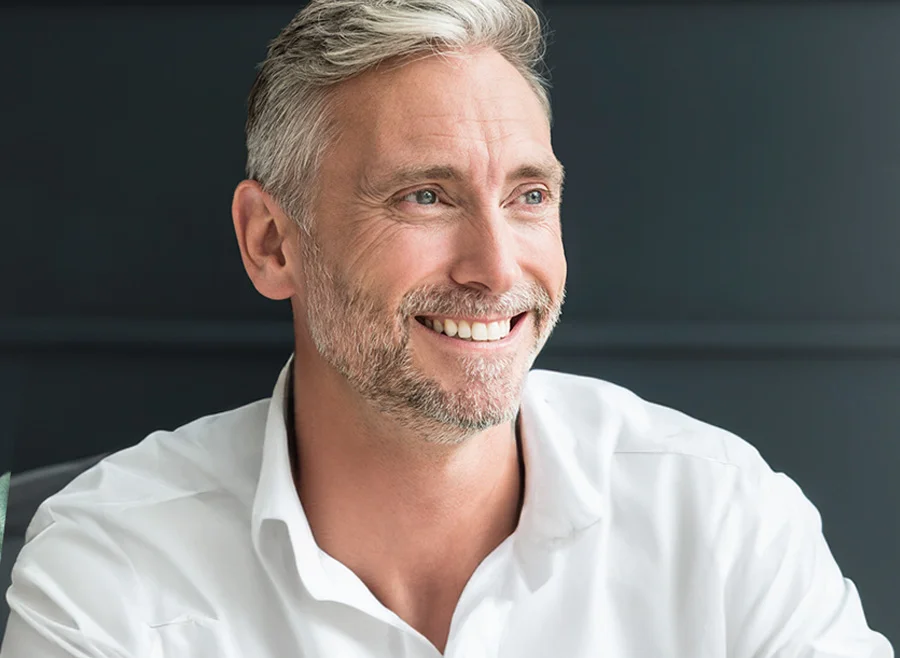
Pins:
<point x="74" y="594"/>
<point x="786" y="597"/>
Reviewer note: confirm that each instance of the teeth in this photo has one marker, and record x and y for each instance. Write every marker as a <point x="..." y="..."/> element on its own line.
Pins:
<point x="478" y="331"/>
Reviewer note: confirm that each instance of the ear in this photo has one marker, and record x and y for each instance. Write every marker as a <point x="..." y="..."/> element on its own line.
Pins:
<point x="264" y="235"/>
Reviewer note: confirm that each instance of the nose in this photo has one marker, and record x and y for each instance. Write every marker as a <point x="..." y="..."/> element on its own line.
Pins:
<point x="487" y="254"/>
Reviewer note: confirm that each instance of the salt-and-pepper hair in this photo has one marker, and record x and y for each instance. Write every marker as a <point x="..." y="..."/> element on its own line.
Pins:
<point x="330" y="41"/>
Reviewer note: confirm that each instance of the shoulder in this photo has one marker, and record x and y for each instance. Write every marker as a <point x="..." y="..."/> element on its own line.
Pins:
<point x="664" y="469"/>
<point x="656" y="463"/>
<point x="213" y="457"/>
<point x="592" y="407"/>
<point x="160" y="507"/>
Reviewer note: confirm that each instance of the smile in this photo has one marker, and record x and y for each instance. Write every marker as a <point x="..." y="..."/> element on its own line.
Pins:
<point x="471" y="330"/>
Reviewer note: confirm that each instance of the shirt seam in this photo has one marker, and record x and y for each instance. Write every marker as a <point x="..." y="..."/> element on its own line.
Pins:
<point x="677" y="453"/>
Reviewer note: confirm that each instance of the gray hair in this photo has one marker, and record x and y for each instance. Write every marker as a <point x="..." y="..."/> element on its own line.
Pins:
<point x="330" y="41"/>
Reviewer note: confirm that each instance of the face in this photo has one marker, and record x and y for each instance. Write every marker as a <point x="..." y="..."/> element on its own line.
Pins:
<point x="434" y="272"/>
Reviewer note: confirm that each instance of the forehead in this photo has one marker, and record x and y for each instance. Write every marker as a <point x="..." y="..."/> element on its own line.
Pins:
<point x="475" y="109"/>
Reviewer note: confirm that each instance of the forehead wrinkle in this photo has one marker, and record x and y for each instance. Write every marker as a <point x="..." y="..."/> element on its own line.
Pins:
<point x="495" y="113"/>
<point x="459" y="151"/>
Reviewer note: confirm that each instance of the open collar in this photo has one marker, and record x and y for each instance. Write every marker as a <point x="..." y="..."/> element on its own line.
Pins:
<point x="567" y="460"/>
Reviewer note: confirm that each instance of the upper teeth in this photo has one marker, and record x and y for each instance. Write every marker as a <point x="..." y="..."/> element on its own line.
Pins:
<point x="469" y="330"/>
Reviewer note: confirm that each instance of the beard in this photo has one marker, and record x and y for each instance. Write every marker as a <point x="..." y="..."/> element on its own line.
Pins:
<point x="368" y="343"/>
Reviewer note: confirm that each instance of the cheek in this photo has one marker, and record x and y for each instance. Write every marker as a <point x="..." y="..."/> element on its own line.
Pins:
<point x="395" y="263"/>
<point x="544" y="257"/>
<point x="561" y="265"/>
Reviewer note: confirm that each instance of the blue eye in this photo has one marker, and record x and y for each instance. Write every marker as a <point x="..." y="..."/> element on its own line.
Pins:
<point x="534" y="197"/>
<point x="422" y="197"/>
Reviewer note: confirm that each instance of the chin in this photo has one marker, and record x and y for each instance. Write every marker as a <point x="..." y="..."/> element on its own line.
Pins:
<point x="486" y="397"/>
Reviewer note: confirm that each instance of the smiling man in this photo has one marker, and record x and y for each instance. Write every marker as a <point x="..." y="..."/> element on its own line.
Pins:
<point x="412" y="488"/>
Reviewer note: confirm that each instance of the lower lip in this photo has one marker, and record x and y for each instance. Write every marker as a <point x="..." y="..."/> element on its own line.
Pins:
<point x="478" y="345"/>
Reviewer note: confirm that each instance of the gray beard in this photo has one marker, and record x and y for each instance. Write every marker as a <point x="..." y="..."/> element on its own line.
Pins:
<point x="369" y="347"/>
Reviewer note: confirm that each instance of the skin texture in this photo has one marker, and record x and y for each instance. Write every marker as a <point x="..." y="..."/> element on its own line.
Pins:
<point x="439" y="198"/>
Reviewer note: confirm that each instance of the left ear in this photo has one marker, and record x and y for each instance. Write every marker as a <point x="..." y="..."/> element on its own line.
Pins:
<point x="264" y="234"/>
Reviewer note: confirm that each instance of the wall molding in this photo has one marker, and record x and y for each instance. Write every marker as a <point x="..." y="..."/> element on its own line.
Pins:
<point x="753" y="339"/>
<point x="572" y="337"/>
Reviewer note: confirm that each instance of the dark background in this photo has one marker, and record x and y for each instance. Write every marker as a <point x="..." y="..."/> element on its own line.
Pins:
<point x="731" y="222"/>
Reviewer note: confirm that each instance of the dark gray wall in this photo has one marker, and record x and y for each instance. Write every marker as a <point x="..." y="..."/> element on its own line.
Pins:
<point x="730" y="220"/>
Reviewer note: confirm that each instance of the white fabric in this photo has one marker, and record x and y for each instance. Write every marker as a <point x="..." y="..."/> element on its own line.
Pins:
<point x="644" y="533"/>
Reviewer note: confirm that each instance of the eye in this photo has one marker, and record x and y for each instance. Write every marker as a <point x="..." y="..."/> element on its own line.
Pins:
<point x="422" y="197"/>
<point x="534" y="197"/>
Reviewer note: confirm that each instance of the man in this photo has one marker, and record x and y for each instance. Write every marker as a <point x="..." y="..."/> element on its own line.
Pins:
<point x="411" y="489"/>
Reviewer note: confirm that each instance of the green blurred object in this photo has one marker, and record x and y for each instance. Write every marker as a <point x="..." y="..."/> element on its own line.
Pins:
<point x="4" y="495"/>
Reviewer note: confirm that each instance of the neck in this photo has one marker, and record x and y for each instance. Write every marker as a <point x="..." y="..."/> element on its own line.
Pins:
<point x="412" y="519"/>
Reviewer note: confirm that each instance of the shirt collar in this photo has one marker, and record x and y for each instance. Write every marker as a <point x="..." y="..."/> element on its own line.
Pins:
<point x="276" y="506"/>
<point x="567" y="461"/>
<point x="566" y="465"/>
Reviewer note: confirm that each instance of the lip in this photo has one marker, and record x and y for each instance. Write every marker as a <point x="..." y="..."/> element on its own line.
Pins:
<point x="476" y="345"/>
<point x="457" y="318"/>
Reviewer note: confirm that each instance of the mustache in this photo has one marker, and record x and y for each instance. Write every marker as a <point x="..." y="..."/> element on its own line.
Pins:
<point x="454" y="301"/>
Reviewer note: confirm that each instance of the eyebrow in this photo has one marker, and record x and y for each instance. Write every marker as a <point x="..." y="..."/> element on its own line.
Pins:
<point x="551" y="170"/>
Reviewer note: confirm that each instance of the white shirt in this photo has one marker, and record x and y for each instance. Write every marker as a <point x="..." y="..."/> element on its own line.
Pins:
<point x="644" y="533"/>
